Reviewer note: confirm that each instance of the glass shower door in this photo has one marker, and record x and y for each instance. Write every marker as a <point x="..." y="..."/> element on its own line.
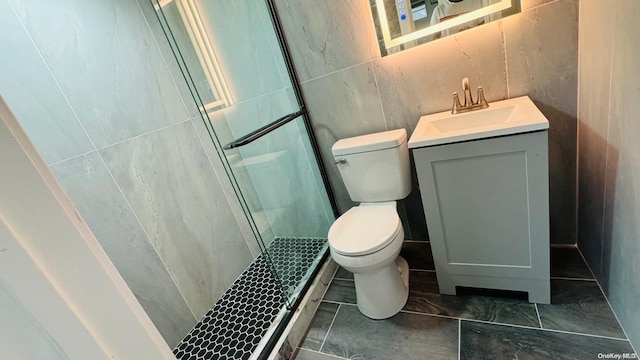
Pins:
<point x="230" y="54"/>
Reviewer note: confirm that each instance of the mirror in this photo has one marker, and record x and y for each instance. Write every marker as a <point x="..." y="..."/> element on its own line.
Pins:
<point x="402" y="24"/>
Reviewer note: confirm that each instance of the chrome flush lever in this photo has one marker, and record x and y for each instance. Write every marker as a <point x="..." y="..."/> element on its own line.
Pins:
<point x="340" y="162"/>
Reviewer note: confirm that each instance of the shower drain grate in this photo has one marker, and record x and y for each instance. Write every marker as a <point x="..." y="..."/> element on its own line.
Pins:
<point x="237" y="322"/>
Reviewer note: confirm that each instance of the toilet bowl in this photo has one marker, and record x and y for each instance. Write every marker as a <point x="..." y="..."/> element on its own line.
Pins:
<point x="366" y="240"/>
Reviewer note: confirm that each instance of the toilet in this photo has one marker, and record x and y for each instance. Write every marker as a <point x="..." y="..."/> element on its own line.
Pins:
<point x="366" y="240"/>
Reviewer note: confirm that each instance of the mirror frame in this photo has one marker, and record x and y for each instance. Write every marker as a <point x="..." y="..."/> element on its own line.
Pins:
<point x="430" y="30"/>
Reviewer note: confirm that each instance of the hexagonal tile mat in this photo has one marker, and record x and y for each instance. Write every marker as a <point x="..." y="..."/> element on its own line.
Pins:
<point x="237" y="322"/>
<point x="292" y="258"/>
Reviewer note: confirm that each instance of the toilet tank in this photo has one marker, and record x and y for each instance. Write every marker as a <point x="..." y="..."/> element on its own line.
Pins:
<point x="375" y="167"/>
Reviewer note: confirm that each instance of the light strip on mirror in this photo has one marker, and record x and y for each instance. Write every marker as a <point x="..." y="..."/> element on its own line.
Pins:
<point x="458" y="20"/>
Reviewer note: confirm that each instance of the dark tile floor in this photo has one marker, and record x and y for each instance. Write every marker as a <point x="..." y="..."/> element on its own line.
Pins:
<point x="579" y="323"/>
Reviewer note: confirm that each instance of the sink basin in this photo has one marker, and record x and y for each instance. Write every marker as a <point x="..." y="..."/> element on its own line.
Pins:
<point x="501" y="118"/>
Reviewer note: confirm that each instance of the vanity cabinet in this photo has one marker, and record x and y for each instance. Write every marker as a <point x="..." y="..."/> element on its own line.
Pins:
<point x="487" y="209"/>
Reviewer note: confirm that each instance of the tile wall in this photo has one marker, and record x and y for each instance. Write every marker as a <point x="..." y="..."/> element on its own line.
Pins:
<point x="609" y="153"/>
<point x="351" y="90"/>
<point x="97" y="90"/>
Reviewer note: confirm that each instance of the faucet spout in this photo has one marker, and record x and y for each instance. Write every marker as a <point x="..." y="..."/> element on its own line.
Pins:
<point x="468" y="100"/>
<point x="469" y="104"/>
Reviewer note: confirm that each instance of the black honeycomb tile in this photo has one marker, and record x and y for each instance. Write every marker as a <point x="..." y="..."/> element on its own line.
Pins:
<point x="237" y="322"/>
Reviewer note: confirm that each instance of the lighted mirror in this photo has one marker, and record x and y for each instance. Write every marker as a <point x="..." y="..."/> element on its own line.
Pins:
<point x="402" y="24"/>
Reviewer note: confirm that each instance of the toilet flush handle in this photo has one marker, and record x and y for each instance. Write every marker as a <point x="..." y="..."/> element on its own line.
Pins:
<point x="340" y="162"/>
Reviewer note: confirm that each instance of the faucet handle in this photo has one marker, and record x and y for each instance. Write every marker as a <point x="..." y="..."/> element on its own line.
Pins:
<point x="480" y="98"/>
<point x="456" y="103"/>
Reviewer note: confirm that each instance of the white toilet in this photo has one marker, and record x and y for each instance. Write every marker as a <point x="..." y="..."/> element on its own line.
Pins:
<point x="366" y="240"/>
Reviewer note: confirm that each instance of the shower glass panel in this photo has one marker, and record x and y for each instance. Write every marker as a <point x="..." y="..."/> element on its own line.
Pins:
<point x="230" y="55"/>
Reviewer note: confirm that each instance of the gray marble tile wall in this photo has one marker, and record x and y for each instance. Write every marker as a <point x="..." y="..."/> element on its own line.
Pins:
<point x="96" y="88"/>
<point x="609" y="153"/>
<point x="278" y="171"/>
<point x="351" y="90"/>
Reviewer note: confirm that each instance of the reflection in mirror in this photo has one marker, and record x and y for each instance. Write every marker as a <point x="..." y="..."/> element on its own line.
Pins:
<point x="402" y="24"/>
<point x="197" y="52"/>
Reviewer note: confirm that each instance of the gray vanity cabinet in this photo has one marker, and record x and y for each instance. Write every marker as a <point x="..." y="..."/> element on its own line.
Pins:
<point x="487" y="209"/>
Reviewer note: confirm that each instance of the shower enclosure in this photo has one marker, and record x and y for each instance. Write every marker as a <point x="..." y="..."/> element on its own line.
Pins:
<point x="235" y="62"/>
<point x="197" y="175"/>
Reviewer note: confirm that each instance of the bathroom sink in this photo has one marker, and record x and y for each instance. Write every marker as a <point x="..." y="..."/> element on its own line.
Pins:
<point x="501" y="118"/>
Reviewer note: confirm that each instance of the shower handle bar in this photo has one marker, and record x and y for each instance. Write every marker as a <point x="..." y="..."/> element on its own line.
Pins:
<point x="260" y="132"/>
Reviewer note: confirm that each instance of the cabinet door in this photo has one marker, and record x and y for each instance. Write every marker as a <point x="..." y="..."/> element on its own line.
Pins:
<point x="487" y="205"/>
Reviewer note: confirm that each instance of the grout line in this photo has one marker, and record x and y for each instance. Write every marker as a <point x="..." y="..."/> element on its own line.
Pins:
<point x="267" y="94"/>
<point x="459" y="337"/>
<point x="271" y="26"/>
<point x="372" y="35"/>
<point x="511" y="325"/>
<point x="494" y="323"/>
<point x="607" y="141"/>
<point x="228" y="197"/>
<point x="153" y="245"/>
<point x="335" y="71"/>
<point x="142" y="135"/>
<point x="330" y="326"/>
<point x="72" y="158"/>
<point x="55" y="80"/>
<point x="566" y="278"/>
<point x="538" y="314"/>
<point x="608" y="303"/>
<point x="118" y="142"/>
<point x="417" y="241"/>
<point x="578" y="118"/>
<point x="538" y="6"/>
<point x="384" y="117"/>
<point x="547" y="330"/>
<point x="440" y="316"/>
<point x="337" y="302"/>
<point x="164" y="60"/>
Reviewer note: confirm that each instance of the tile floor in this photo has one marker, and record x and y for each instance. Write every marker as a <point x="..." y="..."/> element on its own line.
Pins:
<point x="579" y="323"/>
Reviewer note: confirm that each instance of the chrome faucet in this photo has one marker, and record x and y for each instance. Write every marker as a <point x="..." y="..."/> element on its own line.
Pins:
<point x="469" y="104"/>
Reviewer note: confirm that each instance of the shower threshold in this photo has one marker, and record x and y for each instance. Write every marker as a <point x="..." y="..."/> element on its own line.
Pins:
<point x="252" y="307"/>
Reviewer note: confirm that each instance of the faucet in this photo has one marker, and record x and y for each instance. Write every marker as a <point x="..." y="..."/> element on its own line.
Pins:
<point x="469" y="104"/>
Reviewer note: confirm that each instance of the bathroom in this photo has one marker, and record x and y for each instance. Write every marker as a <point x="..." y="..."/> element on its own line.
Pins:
<point x="109" y="68"/>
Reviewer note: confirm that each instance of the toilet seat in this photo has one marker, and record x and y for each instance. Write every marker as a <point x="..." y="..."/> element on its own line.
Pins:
<point x="364" y="230"/>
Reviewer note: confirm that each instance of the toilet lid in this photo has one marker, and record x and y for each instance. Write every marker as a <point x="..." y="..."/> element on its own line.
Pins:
<point x="364" y="229"/>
